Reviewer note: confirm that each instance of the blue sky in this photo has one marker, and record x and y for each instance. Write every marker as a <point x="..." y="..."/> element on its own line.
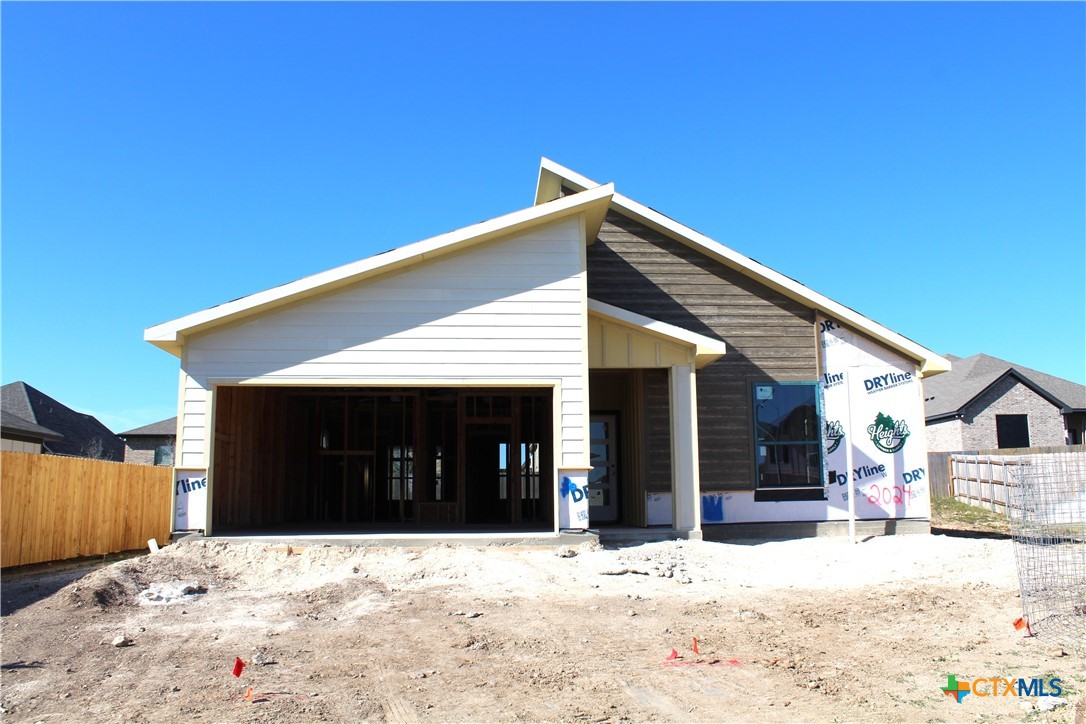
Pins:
<point x="922" y="163"/>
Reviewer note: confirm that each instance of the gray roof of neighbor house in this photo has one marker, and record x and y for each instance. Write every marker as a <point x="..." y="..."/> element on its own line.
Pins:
<point x="155" y="429"/>
<point x="947" y="394"/>
<point x="10" y="423"/>
<point x="80" y="431"/>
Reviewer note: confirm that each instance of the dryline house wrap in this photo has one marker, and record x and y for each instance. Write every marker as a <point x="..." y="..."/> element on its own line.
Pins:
<point x="873" y="408"/>
<point x="190" y="499"/>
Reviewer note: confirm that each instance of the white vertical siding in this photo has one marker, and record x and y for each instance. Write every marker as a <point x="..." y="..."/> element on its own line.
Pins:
<point x="511" y="310"/>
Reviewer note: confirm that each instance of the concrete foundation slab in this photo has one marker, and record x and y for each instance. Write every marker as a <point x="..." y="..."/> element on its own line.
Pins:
<point x="814" y="529"/>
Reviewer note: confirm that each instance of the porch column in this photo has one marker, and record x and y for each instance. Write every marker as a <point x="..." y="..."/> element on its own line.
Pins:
<point x="685" y="482"/>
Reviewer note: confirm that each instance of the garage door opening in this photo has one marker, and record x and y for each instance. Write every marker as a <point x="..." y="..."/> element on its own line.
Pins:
<point x="365" y="460"/>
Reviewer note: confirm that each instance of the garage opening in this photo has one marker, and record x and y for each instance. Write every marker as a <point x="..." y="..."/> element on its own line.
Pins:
<point x="354" y="459"/>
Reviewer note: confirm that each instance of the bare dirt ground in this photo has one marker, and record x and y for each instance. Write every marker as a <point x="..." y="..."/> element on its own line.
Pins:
<point x="807" y="630"/>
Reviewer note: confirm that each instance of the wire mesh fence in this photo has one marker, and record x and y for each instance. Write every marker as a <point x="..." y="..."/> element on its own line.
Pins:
<point x="1048" y="524"/>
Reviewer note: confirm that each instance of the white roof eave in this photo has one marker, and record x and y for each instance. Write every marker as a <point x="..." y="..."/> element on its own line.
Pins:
<point x="553" y="175"/>
<point x="593" y="205"/>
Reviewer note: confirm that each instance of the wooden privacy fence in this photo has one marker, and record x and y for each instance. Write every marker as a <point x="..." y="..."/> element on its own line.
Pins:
<point x="52" y="507"/>
<point x="988" y="479"/>
<point x="939" y="475"/>
<point x="984" y="480"/>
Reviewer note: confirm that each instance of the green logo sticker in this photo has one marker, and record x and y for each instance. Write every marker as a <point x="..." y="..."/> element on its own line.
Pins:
<point x="834" y="434"/>
<point x="888" y="435"/>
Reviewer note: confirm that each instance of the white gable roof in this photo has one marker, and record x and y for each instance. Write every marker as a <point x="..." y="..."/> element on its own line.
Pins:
<point x="592" y="205"/>
<point x="552" y="176"/>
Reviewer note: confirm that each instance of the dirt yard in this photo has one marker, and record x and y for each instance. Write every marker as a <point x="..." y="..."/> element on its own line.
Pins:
<point x="809" y="630"/>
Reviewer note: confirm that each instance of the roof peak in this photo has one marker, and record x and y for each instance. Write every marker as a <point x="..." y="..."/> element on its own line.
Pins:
<point x="553" y="176"/>
<point x="974" y="374"/>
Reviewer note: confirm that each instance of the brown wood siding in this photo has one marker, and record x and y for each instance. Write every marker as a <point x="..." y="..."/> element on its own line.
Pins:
<point x="769" y="336"/>
<point x="253" y="435"/>
<point x="657" y="441"/>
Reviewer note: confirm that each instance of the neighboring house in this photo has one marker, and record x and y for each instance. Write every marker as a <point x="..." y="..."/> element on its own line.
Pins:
<point x="986" y="403"/>
<point x="80" y="435"/>
<point x="151" y="444"/>
<point x="19" y="435"/>
<point x="587" y="348"/>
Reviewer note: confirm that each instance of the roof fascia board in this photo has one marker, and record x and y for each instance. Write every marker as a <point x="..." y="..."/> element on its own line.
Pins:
<point x="930" y="363"/>
<point x="1039" y="389"/>
<point x="706" y="349"/>
<point x="594" y="204"/>
<point x="1021" y="378"/>
<point x="942" y="417"/>
<point x="22" y="426"/>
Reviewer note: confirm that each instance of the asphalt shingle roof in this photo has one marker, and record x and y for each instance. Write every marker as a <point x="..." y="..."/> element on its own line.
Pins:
<point x="10" y="422"/>
<point x="155" y="429"/>
<point x="947" y="393"/>
<point x="81" y="432"/>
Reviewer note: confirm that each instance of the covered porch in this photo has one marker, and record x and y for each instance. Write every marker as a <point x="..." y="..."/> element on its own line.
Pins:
<point x="643" y="427"/>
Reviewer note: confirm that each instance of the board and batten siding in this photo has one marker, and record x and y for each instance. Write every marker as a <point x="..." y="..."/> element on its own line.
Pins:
<point x="769" y="336"/>
<point x="512" y="310"/>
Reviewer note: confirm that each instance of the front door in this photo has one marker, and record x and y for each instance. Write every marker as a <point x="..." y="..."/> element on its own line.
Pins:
<point x="603" y="480"/>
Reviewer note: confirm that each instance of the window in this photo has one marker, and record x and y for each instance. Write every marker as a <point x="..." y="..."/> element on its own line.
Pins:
<point x="1012" y="431"/>
<point x="787" y="437"/>
<point x="164" y="454"/>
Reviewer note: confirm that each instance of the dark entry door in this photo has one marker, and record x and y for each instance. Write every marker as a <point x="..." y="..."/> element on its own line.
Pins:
<point x="488" y="473"/>
<point x="603" y="480"/>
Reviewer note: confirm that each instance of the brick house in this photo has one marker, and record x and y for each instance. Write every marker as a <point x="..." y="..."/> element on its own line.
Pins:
<point x="986" y="403"/>
<point x="151" y="444"/>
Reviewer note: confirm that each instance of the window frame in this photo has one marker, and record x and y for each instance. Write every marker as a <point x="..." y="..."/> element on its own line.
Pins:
<point x="1009" y="418"/>
<point x="802" y="492"/>
<point x="159" y="454"/>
